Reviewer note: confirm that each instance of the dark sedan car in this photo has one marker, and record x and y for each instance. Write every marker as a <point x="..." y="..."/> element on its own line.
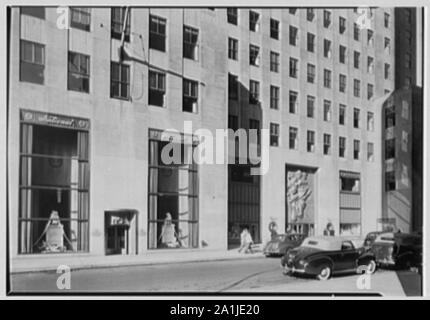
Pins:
<point x="398" y="250"/>
<point x="325" y="256"/>
<point x="282" y="243"/>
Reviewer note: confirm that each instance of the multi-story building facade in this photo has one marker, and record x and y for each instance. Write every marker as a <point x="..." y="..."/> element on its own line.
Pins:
<point x="320" y="78"/>
<point x="92" y="93"/>
<point x="402" y="128"/>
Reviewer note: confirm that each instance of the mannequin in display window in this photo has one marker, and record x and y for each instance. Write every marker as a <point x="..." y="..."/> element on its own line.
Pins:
<point x="168" y="233"/>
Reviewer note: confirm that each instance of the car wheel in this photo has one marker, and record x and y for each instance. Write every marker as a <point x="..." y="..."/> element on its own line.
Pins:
<point x="325" y="273"/>
<point x="371" y="267"/>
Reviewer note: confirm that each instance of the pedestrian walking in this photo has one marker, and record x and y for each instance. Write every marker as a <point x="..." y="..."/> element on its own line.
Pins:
<point x="246" y="241"/>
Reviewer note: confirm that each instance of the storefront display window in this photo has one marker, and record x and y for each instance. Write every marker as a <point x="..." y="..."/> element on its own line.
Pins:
<point x="173" y="195"/>
<point x="54" y="183"/>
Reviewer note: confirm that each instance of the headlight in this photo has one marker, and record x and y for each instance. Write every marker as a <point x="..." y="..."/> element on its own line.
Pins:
<point x="302" y="262"/>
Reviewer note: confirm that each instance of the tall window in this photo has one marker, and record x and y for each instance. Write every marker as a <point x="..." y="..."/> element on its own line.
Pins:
<point x="327" y="144"/>
<point x="254" y="92"/>
<point x="327" y="48"/>
<point x="342" y="25"/>
<point x="274" y="61"/>
<point x="293" y="36"/>
<point x="294" y="67"/>
<point x="157" y="88"/>
<point x="311" y="141"/>
<point x="254" y="55"/>
<point x="327" y="78"/>
<point x="387" y="45"/>
<point x="356" y="118"/>
<point x="293" y="101"/>
<point x="274" y="97"/>
<point x="311" y="73"/>
<point x="310" y="106"/>
<point x="37" y="12"/>
<point x="232" y="15"/>
<point x="32" y="62"/>
<point x="342" y="147"/>
<point x="233" y="47"/>
<point x="233" y="87"/>
<point x="370" y="121"/>
<point x="370" y="37"/>
<point x="54" y="177"/>
<point x="310" y="42"/>
<point x="255" y="125"/>
<point x="386" y="70"/>
<point x="274" y="29"/>
<point x="356" y="59"/>
<point x="342" y="54"/>
<point x="342" y="83"/>
<point x="370" y="152"/>
<point x="327" y="110"/>
<point x="117" y="23"/>
<point x="390" y="148"/>
<point x="357" y="88"/>
<point x="370" y="65"/>
<point x="342" y="114"/>
<point x="356" y="149"/>
<point x="80" y="18"/>
<point x="386" y="20"/>
<point x="310" y="14"/>
<point x="190" y="46"/>
<point x="390" y="181"/>
<point x="350" y="203"/>
<point x="327" y="18"/>
<point x="173" y="215"/>
<point x="254" y="21"/>
<point x="78" y="72"/>
<point x="190" y="95"/>
<point x="369" y="91"/>
<point x="293" y="141"/>
<point x="120" y="80"/>
<point x="157" y="33"/>
<point x="390" y="117"/>
<point x="274" y="134"/>
<point x="356" y="32"/>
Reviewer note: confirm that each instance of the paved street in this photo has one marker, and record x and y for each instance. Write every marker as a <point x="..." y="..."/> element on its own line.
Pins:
<point x="252" y="275"/>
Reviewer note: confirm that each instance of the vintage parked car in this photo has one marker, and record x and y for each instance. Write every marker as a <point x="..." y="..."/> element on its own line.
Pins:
<point x="398" y="250"/>
<point x="281" y="243"/>
<point x="370" y="239"/>
<point x="324" y="256"/>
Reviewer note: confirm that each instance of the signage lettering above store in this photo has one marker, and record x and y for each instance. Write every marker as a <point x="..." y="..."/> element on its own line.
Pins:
<point x="54" y="120"/>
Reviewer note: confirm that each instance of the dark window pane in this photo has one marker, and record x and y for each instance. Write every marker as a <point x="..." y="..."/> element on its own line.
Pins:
<point x="38" y="12"/>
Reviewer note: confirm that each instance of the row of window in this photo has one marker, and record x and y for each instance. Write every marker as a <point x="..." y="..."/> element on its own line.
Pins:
<point x="254" y="21"/>
<point x="254" y="94"/>
<point x="32" y="65"/>
<point x="255" y="57"/>
<point x="293" y="142"/>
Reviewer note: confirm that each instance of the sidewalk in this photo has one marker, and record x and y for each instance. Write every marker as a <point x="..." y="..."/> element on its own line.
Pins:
<point x="50" y="262"/>
<point x="382" y="282"/>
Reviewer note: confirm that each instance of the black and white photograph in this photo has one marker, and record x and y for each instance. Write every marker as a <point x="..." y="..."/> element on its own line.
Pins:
<point x="183" y="149"/>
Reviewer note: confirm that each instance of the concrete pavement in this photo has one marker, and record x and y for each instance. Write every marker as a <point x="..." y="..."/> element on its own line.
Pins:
<point x="382" y="282"/>
<point x="50" y="262"/>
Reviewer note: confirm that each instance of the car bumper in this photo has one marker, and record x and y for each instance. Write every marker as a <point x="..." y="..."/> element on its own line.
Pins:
<point x="292" y="269"/>
<point x="385" y="262"/>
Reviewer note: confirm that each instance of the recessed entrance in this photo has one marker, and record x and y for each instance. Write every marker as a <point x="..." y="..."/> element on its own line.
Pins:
<point x="121" y="232"/>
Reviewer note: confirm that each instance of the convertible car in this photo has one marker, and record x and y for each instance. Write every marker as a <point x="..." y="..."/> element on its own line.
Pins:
<point x="398" y="250"/>
<point x="325" y="256"/>
<point x="281" y="243"/>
